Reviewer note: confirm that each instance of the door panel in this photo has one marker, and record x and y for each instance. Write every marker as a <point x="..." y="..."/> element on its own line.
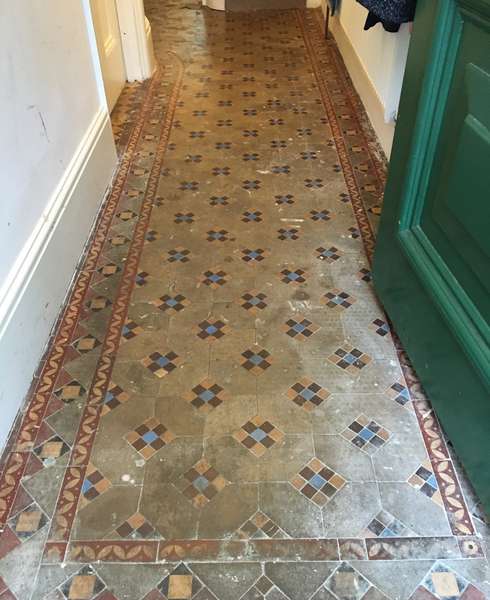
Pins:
<point x="432" y="263"/>
<point x="106" y="24"/>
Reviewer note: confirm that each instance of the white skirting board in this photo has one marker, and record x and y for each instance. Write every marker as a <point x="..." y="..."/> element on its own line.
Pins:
<point x="364" y="86"/>
<point x="31" y="298"/>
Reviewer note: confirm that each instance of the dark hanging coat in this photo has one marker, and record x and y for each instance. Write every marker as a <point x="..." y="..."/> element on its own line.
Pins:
<point x="391" y="13"/>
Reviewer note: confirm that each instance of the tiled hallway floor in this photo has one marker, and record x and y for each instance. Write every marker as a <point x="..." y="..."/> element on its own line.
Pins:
<point x="223" y="412"/>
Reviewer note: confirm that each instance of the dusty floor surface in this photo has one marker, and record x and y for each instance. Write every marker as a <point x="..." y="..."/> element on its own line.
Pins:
<point x="223" y="411"/>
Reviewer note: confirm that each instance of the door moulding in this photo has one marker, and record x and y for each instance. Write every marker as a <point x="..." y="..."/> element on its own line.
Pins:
<point x="136" y="39"/>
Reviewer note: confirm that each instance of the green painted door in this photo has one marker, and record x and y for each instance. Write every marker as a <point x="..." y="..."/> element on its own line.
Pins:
<point x="432" y="261"/>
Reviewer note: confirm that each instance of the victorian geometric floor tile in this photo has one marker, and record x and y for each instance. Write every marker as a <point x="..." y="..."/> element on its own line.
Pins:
<point x="298" y="580"/>
<point x="414" y="509"/>
<point x="385" y="524"/>
<point x="338" y="517"/>
<point x="344" y="458"/>
<point x="260" y="526"/>
<point x="232" y="580"/>
<point x="229" y="416"/>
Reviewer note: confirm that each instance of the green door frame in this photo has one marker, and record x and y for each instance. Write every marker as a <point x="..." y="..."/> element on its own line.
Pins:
<point x="444" y="332"/>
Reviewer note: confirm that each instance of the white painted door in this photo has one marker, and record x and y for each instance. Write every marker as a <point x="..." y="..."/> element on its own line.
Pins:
<point x="106" y="24"/>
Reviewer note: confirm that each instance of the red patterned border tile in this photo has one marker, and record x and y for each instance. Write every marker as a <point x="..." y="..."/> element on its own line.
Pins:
<point x="134" y="551"/>
<point x="54" y="552"/>
<point x="71" y="487"/>
<point x="321" y="549"/>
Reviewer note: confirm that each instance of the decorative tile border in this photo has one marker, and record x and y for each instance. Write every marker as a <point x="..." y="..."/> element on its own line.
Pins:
<point x="71" y="487"/>
<point x="277" y="549"/>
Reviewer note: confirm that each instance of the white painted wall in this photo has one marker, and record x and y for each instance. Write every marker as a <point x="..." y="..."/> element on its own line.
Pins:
<point x="382" y="54"/>
<point x="376" y="62"/>
<point x="57" y="157"/>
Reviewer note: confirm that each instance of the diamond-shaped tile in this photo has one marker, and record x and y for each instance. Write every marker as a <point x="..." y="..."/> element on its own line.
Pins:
<point x="178" y="255"/>
<point x="118" y="240"/>
<point x="307" y="394"/>
<point x="260" y="526"/>
<point x="215" y="278"/>
<point x="85" y="585"/>
<point x="399" y="393"/>
<point x="385" y="525"/>
<point x="94" y="484"/>
<point x="314" y="183"/>
<point x="349" y="359"/>
<point x="366" y="434"/>
<point x="380" y="327"/>
<point x="288" y="234"/>
<point x="211" y="329"/>
<point x="28" y="522"/>
<point x="253" y="301"/>
<point x="320" y="215"/>
<point x="365" y="275"/>
<point x="217" y="236"/>
<point x="254" y="256"/>
<point x="262" y="589"/>
<point x="446" y="584"/>
<point x="425" y="481"/>
<point x="206" y="395"/>
<point x="258" y="435"/>
<point x="252" y="216"/>
<point x="346" y="582"/>
<point x="130" y="329"/>
<point x="297" y="276"/>
<point x="108" y="269"/>
<point x="141" y="278"/>
<point x="126" y="215"/>
<point x="201" y="483"/>
<point x="256" y="360"/>
<point x="175" y="303"/>
<point x="338" y="299"/>
<point x="181" y="584"/>
<point x="149" y="437"/>
<point x="70" y="392"/>
<point x="98" y="303"/>
<point x="329" y="255"/>
<point x="218" y="200"/>
<point x="51" y="449"/>
<point x="151" y="236"/>
<point x="136" y="527"/>
<point x="284" y="199"/>
<point x="300" y="328"/>
<point x="184" y="217"/>
<point x="161" y="364"/>
<point x="114" y="397"/>
<point x="317" y="482"/>
<point x="86" y="343"/>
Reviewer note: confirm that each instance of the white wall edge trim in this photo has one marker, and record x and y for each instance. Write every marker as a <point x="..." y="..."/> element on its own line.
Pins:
<point x="36" y="287"/>
<point x="137" y="43"/>
<point x="365" y="88"/>
<point x="22" y="270"/>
